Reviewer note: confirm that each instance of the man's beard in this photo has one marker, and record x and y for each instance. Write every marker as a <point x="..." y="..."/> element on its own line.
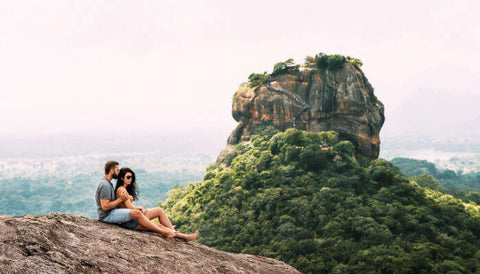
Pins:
<point x="115" y="176"/>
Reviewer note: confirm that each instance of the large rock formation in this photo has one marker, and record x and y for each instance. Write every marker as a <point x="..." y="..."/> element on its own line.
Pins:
<point x="63" y="243"/>
<point x="315" y="100"/>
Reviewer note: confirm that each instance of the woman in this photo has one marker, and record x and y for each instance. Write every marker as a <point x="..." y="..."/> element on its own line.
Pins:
<point x="126" y="183"/>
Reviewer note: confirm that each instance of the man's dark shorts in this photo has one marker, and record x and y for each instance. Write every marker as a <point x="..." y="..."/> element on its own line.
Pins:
<point x="132" y="224"/>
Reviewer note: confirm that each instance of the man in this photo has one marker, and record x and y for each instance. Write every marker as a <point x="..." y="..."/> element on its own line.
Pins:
<point x="129" y="218"/>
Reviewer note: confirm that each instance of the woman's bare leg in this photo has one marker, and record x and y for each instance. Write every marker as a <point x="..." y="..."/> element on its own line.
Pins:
<point x="187" y="237"/>
<point x="167" y="225"/>
<point x="147" y="225"/>
<point x="164" y="227"/>
<point x="162" y="217"/>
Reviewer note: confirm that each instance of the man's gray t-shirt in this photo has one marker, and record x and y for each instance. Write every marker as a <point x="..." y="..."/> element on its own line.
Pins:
<point x="105" y="190"/>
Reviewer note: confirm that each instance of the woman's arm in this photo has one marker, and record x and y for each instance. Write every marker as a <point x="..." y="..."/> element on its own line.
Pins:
<point x="122" y="191"/>
<point x="128" y="202"/>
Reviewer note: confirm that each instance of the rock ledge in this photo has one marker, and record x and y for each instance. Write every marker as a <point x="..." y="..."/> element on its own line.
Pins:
<point x="64" y="243"/>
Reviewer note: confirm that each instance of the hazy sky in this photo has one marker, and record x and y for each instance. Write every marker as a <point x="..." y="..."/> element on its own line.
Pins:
<point x="167" y="66"/>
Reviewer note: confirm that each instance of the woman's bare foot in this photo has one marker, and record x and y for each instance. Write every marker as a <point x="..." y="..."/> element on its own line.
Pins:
<point x="192" y="236"/>
<point x="171" y="234"/>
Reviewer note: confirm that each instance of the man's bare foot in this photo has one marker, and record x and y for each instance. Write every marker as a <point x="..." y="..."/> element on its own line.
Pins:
<point x="192" y="236"/>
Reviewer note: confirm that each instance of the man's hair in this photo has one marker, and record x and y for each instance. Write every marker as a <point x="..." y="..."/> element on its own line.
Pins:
<point x="109" y="165"/>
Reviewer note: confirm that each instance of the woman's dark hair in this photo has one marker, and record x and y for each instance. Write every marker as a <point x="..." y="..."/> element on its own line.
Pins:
<point x="132" y="188"/>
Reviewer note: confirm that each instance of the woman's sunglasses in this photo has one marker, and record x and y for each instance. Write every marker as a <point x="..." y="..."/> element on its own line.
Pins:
<point x="129" y="177"/>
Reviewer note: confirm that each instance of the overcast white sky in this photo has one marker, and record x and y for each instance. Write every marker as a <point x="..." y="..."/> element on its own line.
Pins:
<point x="168" y="66"/>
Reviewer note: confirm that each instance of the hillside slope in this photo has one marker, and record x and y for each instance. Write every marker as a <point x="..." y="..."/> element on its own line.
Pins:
<point x="305" y="199"/>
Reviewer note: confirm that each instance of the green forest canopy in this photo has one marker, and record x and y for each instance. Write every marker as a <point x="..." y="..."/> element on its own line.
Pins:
<point x="306" y="199"/>
<point x="462" y="186"/>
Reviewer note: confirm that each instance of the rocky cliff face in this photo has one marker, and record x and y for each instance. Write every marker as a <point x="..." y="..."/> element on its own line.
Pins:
<point x="63" y="243"/>
<point x="314" y="100"/>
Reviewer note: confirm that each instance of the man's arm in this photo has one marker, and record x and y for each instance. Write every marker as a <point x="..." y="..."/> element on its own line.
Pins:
<point x="103" y="191"/>
<point x="108" y="204"/>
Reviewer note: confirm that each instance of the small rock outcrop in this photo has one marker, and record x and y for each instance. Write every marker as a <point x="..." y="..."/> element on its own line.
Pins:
<point x="314" y="100"/>
<point x="63" y="243"/>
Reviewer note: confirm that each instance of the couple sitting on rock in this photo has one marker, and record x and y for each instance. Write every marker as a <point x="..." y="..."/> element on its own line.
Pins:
<point x="114" y="205"/>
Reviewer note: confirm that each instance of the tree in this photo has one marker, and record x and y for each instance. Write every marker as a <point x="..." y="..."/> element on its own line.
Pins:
<point x="336" y="61"/>
<point x="321" y="60"/>
<point x="284" y="67"/>
<point x="256" y="79"/>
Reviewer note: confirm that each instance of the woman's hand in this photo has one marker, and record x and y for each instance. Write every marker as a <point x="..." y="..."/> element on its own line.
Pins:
<point x="144" y="212"/>
<point x="124" y="196"/>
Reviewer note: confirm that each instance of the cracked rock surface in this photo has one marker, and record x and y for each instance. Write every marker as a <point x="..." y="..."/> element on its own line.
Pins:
<point x="341" y="100"/>
<point x="64" y="243"/>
